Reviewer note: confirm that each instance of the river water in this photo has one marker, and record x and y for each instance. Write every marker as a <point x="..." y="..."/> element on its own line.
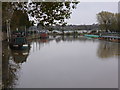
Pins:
<point x="62" y="62"/>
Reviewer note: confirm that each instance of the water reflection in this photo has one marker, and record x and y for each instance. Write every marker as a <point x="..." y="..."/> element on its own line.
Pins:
<point x="70" y="38"/>
<point x="20" y="56"/>
<point x="108" y="49"/>
<point x="12" y="59"/>
<point x="11" y="64"/>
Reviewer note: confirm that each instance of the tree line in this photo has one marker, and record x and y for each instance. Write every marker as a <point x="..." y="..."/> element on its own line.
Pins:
<point x="70" y="27"/>
<point x="109" y="21"/>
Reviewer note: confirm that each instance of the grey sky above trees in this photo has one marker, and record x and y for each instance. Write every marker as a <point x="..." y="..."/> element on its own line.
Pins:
<point x="85" y="13"/>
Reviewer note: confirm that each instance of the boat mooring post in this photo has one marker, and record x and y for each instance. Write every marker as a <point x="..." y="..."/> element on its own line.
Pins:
<point x="7" y="30"/>
<point x="25" y="31"/>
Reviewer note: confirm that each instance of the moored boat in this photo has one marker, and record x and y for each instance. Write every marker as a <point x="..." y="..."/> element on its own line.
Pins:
<point x="18" y="43"/>
<point x="112" y="38"/>
<point x="43" y="35"/>
<point x="92" y="36"/>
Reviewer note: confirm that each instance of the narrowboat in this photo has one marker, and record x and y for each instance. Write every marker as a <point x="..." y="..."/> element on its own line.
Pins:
<point x="112" y="38"/>
<point x="43" y="35"/>
<point x="92" y="36"/>
<point x="18" y="42"/>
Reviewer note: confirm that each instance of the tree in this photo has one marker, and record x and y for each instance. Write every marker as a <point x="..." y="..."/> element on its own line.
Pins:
<point x="105" y="19"/>
<point x="7" y="11"/>
<point x="19" y="19"/>
<point x="44" y="13"/>
<point x="114" y="23"/>
<point x="108" y="21"/>
<point x="51" y="13"/>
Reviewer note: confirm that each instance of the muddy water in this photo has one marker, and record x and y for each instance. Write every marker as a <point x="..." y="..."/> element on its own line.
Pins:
<point x="62" y="62"/>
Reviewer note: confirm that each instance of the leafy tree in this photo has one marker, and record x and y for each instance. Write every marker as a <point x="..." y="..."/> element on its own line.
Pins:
<point x="51" y="13"/>
<point x="105" y="19"/>
<point x="44" y="13"/>
<point x="114" y="23"/>
<point x="19" y="19"/>
<point x="108" y="21"/>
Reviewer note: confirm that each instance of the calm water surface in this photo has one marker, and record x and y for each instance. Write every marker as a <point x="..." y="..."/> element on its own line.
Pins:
<point x="62" y="62"/>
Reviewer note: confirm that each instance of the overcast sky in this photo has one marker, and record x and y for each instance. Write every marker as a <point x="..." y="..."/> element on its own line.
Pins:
<point x="85" y="13"/>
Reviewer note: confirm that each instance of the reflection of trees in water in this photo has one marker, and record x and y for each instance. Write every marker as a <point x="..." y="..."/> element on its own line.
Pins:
<point x="11" y="60"/>
<point x="39" y="43"/>
<point x="68" y="38"/>
<point x="12" y="76"/>
<point x="77" y="38"/>
<point x="108" y="49"/>
<point x="20" y="56"/>
<point x="36" y="44"/>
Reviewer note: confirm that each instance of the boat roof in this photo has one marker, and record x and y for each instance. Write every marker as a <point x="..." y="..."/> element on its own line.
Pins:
<point x="112" y="37"/>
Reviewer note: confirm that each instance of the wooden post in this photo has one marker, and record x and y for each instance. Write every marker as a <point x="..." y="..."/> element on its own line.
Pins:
<point x="7" y="30"/>
<point x="25" y="31"/>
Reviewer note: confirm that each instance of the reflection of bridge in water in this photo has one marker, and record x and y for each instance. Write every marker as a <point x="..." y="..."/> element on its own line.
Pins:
<point x="106" y="49"/>
<point x="36" y="44"/>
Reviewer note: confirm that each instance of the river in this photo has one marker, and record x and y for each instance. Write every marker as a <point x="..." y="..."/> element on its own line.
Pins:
<point x="62" y="62"/>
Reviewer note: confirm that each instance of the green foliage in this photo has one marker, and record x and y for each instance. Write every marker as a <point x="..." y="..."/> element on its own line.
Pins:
<point x="51" y="13"/>
<point x="19" y="19"/>
<point x="44" y="13"/>
<point x="108" y="21"/>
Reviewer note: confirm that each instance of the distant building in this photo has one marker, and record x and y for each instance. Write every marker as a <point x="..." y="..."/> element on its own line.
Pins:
<point x="72" y="27"/>
<point x="33" y="28"/>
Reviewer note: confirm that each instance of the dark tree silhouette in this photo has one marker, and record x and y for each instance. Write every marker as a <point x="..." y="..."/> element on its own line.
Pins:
<point x="19" y="19"/>
<point x="44" y="13"/>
